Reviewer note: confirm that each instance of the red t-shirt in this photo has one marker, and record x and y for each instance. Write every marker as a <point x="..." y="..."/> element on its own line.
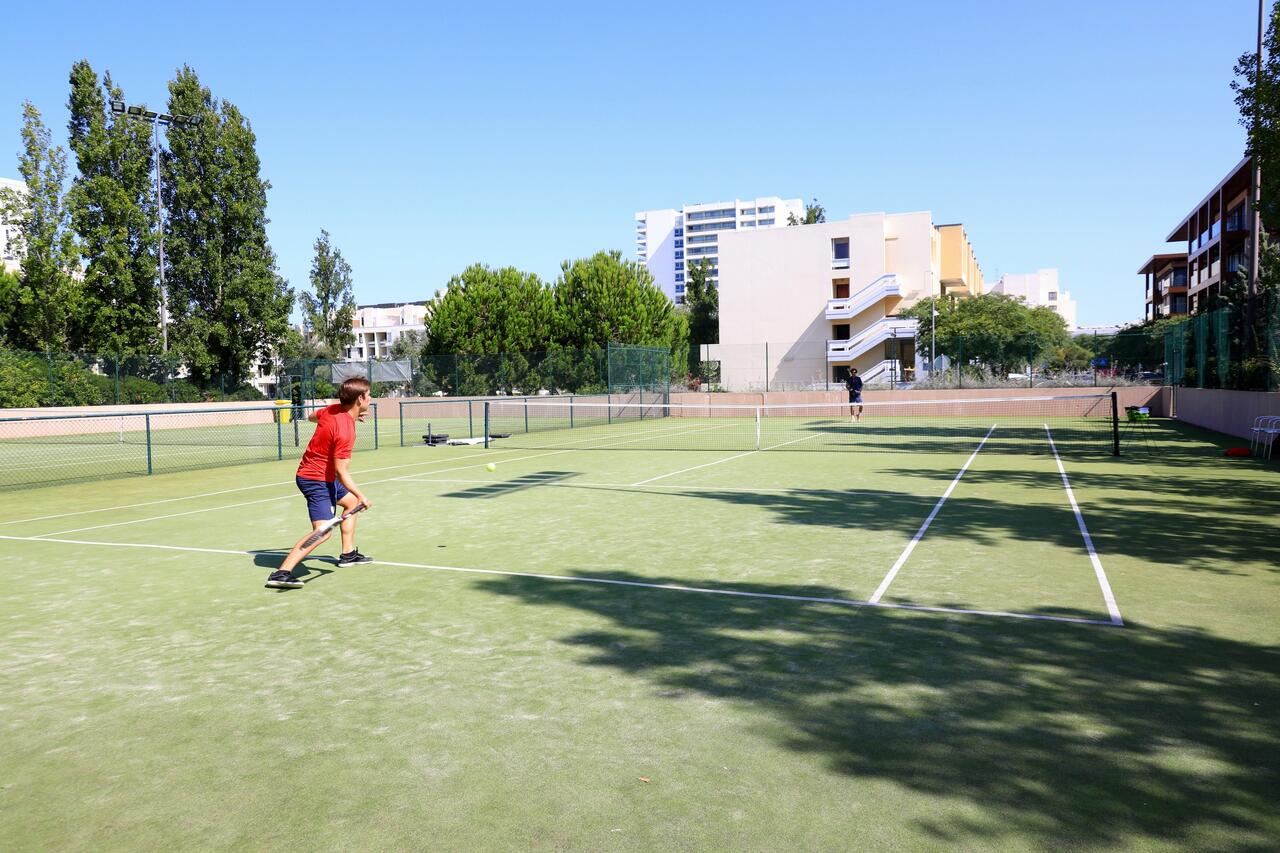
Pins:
<point x="334" y="438"/>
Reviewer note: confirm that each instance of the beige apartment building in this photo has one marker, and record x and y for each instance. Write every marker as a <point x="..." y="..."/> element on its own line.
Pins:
<point x="830" y="294"/>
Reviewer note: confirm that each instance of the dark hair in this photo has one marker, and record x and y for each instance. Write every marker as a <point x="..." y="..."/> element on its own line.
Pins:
<point x="352" y="389"/>
<point x="853" y="370"/>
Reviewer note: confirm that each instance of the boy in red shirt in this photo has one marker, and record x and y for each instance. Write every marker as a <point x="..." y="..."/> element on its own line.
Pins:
<point x="326" y="483"/>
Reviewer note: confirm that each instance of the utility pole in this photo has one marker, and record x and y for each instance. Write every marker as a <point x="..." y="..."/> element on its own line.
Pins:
<point x="119" y="108"/>
<point x="1251" y="303"/>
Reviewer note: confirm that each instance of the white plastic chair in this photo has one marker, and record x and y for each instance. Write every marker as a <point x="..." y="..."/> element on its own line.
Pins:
<point x="1266" y="429"/>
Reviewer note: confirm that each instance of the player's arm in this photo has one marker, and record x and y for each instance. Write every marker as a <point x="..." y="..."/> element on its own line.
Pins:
<point x="344" y="477"/>
<point x="314" y="417"/>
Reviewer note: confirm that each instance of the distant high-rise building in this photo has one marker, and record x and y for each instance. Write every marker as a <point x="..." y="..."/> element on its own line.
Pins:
<point x="669" y="241"/>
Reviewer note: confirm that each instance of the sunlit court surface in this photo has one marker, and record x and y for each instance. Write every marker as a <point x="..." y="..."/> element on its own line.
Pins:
<point x="667" y="628"/>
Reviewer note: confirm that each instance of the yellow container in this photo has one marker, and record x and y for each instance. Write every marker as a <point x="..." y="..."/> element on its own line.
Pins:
<point x="284" y="414"/>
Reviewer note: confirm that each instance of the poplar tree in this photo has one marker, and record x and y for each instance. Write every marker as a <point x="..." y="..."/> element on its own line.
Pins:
<point x="228" y="303"/>
<point x="47" y="297"/>
<point x="113" y="211"/>
<point x="329" y="314"/>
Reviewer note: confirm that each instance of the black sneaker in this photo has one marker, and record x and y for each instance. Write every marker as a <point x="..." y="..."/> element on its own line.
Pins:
<point x="283" y="580"/>
<point x="353" y="558"/>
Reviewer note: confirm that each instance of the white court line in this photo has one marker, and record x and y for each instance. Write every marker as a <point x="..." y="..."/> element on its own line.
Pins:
<point x="291" y="495"/>
<point x="224" y="492"/>
<point x="656" y="489"/>
<point x="1107" y="595"/>
<point x="911" y="546"/>
<point x="718" y="461"/>
<point x="805" y="599"/>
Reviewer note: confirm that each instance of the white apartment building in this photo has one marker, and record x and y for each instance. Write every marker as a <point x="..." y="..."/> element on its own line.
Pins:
<point x="825" y="297"/>
<point x="1040" y="289"/>
<point x="10" y="260"/>
<point x="377" y="327"/>
<point x="667" y="241"/>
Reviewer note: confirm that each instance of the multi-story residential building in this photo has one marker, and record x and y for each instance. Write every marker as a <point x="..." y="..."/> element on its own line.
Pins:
<point x="837" y="288"/>
<point x="669" y="241"/>
<point x="1165" y="277"/>
<point x="10" y="260"/>
<point x="1039" y="289"/>
<point x="1216" y="235"/>
<point x="378" y="326"/>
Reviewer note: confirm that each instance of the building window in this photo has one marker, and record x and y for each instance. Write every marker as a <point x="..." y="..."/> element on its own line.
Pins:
<point x="764" y="222"/>
<point x="748" y="211"/>
<point x="1053" y="296"/>
<point x="840" y="253"/>
<point x="679" y="232"/>
<point x="704" y="250"/>
<point x="679" y="244"/>
<point x="680" y="276"/>
<point x="705" y="238"/>
<point x="840" y="332"/>
<point x="712" y="226"/>
<point x="749" y="224"/>
<point x="708" y="214"/>
<point x="680" y="254"/>
<point x="768" y="209"/>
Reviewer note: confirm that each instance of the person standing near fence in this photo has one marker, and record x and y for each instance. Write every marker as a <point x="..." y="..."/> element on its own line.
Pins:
<point x="853" y="382"/>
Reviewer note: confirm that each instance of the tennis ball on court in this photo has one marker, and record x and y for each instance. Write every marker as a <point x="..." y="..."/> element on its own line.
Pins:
<point x="491" y="467"/>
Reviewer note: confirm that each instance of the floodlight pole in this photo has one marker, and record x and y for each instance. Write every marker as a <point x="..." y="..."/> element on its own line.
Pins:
<point x="933" y="324"/>
<point x="120" y="108"/>
<point x="1252" y="298"/>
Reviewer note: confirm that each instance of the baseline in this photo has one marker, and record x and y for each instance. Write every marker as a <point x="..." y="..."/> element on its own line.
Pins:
<point x="805" y="599"/>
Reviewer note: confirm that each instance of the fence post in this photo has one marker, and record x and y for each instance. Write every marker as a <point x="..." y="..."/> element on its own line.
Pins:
<point x="826" y="364"/>
<point x="526" y="414"/>
<point x="279" y="434"/>
<point x="571" y="413"/>
<point x="960" y="362"/>
<point x="147" y="417"/>
<point x="118" y="358"/>
<point x="486" y="421"/>
<point x="766" y="369"/>
<point x="402" y="423"/>
<point x="375" y="426"/>
<point x="471" y="427"/>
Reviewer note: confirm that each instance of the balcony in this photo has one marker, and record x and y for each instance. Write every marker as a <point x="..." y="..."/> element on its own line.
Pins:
<point x="882" y="288"/>
<point x="870" y="337"/>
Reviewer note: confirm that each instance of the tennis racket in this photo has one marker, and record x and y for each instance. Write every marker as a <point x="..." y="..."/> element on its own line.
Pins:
<point x="322" y="531"/>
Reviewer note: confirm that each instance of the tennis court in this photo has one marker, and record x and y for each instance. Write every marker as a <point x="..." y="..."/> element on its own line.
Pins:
<point x="660" y="627"/>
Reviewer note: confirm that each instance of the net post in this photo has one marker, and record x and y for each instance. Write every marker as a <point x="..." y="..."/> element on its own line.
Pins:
<point x="402" y="423"/>
<point x="147" y="417"/>
<point x="608" y="408"/>
<point x="471" y="426"/>
<point x="526" y="414"/>
<point x="279" y="436"/>
<point x="757" y="427"/>
<point x="486" y="422"/>
<point x="571" y="413"/>
<point x="1115" y="424"/>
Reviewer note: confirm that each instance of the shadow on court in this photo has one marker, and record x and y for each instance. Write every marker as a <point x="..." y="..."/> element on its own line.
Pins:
<point x="516" y="484"/>
<point x="1052" y="735"/>
<point x="271" y="560"/>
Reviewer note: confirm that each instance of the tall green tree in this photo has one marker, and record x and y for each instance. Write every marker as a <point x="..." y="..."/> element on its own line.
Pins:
<point x="113" y="211"/>
<point x="702" y="305"/>
<point x="328" y="314"/>
<point x="813" y="214"/>
<point x="48" y="296"/>
<point x="1258" y="98"/>
<point x="486" y="310"/>
<point x="604" y="299"/>
<point x="228" y="303"/>
<point x="994" y="329"/>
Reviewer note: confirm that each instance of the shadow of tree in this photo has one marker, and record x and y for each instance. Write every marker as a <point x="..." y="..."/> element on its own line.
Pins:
<point x="1060" y="734"/>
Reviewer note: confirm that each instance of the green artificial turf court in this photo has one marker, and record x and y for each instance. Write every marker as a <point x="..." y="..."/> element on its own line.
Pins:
<point x="628" y="647"/>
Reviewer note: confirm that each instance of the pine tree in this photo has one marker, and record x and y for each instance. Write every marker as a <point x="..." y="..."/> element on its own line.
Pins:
<point x="113" y="210"/>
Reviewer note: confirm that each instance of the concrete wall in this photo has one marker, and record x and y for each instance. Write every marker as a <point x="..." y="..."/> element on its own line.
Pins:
<point x="1229" y="412"/>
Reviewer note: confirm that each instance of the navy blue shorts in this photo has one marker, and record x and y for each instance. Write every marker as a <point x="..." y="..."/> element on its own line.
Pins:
<point x="855" y="396"/>
<point x="322" y="498"/>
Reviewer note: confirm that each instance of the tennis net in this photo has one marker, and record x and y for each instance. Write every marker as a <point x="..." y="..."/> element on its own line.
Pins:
<point x="1076" y="423"/>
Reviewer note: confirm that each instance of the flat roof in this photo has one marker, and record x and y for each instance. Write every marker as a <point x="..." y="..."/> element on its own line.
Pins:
<point x="1156" y="261"/>
<point x="1242" y="171"/>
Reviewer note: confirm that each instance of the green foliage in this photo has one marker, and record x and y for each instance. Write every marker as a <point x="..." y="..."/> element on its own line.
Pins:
<point x="113" y="210"/>
<point x="329" y="314"/>
<point x="47" y="300"/>
<point x="702" y="303"/>
<point x="229" y="305"/>
<point x="1258" y="98"/>
<point x="813" y="214"/>
<point x="487" y="310"/>
<point x="604" y="299"/>
<point x="994" y="329"/>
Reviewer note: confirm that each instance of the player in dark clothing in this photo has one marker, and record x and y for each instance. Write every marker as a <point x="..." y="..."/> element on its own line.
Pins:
<point x="854" y="383"/>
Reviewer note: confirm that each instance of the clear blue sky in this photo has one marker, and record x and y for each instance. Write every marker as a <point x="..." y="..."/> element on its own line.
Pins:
<point x="426" y="137"/>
